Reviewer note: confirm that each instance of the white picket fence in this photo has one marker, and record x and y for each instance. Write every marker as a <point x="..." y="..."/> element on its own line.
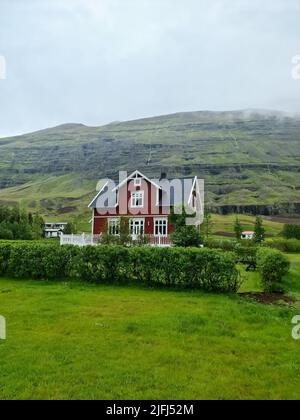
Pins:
<point x="79" y="240"/>
<point x="86" y="239"/>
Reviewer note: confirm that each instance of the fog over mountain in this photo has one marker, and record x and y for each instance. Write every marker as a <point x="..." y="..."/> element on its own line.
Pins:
<point x="93" y="62"/>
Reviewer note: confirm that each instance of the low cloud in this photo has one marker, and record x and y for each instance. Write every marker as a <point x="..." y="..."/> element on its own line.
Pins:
<point x="94" y="61"/>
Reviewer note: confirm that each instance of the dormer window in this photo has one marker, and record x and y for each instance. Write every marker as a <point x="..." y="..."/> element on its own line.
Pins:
<point x="137" y="182"/>
<point x="137" y="199"/>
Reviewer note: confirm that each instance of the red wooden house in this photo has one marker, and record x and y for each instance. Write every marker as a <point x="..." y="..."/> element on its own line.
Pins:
<point x="147" y="203"/>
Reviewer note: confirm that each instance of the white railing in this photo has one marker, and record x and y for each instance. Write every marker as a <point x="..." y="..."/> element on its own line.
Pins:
<point x="159" y="240"/>
<point x="86" y="239"/>
<point x="79" y="240"/>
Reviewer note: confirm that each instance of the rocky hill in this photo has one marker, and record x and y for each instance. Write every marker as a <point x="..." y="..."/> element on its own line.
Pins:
<point x="249" y="160"/>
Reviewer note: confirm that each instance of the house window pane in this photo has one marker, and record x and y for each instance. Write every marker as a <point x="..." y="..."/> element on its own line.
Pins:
<point x="114" y="227"/>
<point x="137" y="227"/>
<point x="137" y="199"/>
<point x="137" y="182"/>
<point x="161" y="227"/>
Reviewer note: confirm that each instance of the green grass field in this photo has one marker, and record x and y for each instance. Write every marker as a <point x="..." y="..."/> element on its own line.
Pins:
<point x="78" y="341"/>
<point x="223" y="225"/>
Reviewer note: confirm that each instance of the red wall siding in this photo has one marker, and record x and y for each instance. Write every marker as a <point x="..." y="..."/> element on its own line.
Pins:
<point x="149" y="225"/>
<point x="150" y="197"/>
<point x="100" y="225"/>
<point x="170" y="228"/>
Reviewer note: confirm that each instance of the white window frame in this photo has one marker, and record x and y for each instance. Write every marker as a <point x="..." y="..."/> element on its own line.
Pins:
<point x="114" y="221"/>
<point x="137" y="182"/>
<point x="140" y="195"/>
<point x="164" y="223"/>
<point x="142" y="225"/>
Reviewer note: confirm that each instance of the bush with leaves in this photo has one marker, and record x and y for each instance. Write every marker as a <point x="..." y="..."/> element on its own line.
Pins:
<point x="284" y="245"/>
<point x="5" y="250"/>
<point x="40" y="261"/>
<point x="70" y="229"/>
<point x="272" y="266"/>
<point x="225" y="244"/>
<point x="16" y="224"/>
<point x="204" y="269"/>
<point x="291" y="231"/>
<point x="259" y="231"/>
<point x="186" y="236"/>
<point x="246" y="254"/>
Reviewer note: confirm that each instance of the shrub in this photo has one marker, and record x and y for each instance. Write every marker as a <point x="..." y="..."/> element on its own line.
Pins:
<point x="225" y="244"/>
<point x="5" y="250"/>
<point x="291" y="231"/>
<point x="284" y="245"/>
<point x="205" y="269"/>
<point x="245" y="254"/>
<point x="16" y="223"/>
<point x="272" y="266"/>
<point x="38" y="261"/>
<point x="186" y="236"/>
<point x="5" y="232"/>
<point x="260" y="232"/>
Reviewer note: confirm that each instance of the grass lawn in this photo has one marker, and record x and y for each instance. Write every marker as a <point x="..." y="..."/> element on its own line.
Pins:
<point x="224" y="225"/>
<point x="75" y="341"/>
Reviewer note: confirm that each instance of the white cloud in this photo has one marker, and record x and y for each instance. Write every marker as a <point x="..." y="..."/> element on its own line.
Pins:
<point x="94" y="61"/>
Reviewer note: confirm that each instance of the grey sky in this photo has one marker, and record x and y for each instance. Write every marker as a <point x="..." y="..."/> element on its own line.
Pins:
<point x="97" y="61"/>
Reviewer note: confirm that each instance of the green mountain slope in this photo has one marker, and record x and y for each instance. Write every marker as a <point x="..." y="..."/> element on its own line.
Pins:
<point x="247" y="158"/>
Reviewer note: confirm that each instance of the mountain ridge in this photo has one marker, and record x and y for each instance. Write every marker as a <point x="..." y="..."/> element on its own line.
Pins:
<point x="247" y="158"/>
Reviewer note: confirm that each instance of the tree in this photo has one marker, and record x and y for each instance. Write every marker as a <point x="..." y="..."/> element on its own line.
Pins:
<point x="124" y="237"/>
<point x="37" y="226"/>
<point x="178" y="219"/>
<point x="16" y="223"/>
<point x="208" y="224"/>
<point x="259" y="231"/>
<point x="238" y="229"/>
<point x="186" y="236"/>
<point x="70" y="228"/>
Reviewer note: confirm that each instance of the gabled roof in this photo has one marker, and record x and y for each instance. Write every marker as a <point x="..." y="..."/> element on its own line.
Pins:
<point x="187" y="185"/>
<point x="101" y="190"/>
<point x="136" y="174"/>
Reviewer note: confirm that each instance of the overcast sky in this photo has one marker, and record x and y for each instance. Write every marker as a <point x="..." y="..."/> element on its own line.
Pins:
<point x="97" y="61"/>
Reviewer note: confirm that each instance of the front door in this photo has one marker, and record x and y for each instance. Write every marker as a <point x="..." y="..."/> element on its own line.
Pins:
<point x="137" y="227"/>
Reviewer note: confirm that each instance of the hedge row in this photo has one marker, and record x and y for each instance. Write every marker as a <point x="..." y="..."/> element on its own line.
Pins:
<point x="204" y="269"/>
<point x="284" y="245"/>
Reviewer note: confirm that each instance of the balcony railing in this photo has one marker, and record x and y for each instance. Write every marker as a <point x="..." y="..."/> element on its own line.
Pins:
<point x="86" y="239"/>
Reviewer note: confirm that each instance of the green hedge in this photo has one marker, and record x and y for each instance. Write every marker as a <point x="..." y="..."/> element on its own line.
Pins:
<point x="224" y="244"/>
<point x="272" y="266"/>
<point x="205" y="269"/>
<point x="284" y="245"/>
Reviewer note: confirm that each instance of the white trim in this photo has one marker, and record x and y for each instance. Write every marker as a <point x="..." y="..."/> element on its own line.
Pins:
<point x="157" y="219"/>
<point x="97" y="195"/>
<point x="93" y="222"/>
<point x="142" y="194"/>
<point x="113" y="219"/>
<point x="132" y="176"/>
<point x="137" y="219"/>
<point x="192" y="190"/>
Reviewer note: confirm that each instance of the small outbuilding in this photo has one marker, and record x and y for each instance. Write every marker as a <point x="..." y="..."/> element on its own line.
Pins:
<point x="54" y="230"/>
<point x="248" y="234"/>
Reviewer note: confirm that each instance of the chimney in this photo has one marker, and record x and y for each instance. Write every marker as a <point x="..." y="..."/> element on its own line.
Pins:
<point x="163" y="175"/>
